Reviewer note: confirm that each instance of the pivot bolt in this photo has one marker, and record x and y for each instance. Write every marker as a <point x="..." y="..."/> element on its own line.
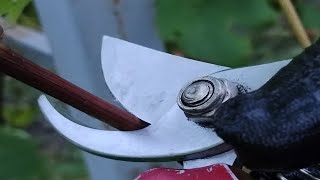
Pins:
<point x="200" y="98"/>
<point x="197" y="93"/>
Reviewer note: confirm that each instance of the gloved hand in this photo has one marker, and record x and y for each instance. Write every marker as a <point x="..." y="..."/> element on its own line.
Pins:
<point x="277" y="127"/>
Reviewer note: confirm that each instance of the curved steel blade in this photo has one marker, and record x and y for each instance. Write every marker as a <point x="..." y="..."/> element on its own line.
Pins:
<point x="170" y="139"/>
<point x="252" y="77"/>
<point x="147" y="82"/>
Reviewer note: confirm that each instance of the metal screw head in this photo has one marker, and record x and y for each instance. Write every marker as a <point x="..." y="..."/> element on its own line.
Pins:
<point x="200" y="98"/>
<point x="196" y="93"/>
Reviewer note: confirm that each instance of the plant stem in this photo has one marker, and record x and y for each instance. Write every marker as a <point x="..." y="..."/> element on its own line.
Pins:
<point x="33" y="75"/>
<point x="295" y="23"/>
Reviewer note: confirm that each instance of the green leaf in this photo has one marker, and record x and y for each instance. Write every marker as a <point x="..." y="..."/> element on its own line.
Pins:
<point x="309" y="15"/>
<point x="29" y="17"/>
<point x="212" y="30"/>
<point x="20" y="108"/>
<point x="19" y="157"/>
<point x="20" y="115"/>
<point x="12" y="9"/>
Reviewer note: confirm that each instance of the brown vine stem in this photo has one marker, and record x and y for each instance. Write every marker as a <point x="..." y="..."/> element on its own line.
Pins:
<point x="33" y="75"/>
<point x="295" y="23"/>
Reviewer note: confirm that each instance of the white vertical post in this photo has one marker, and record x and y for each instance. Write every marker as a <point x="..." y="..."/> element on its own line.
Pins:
<point x="75" y="29"/>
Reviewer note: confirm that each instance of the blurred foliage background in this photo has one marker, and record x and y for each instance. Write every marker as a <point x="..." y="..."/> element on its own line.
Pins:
<point x="231" y="33"/>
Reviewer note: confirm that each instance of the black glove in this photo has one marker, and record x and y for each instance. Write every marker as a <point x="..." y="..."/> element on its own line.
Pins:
<point x="278" y="126"/>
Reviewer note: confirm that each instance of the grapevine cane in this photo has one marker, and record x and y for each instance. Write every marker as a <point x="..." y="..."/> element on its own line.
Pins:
<point x="33" y="75"/>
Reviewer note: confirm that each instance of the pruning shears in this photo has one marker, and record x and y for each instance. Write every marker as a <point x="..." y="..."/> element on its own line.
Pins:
<point x="169" y="102"/>
<point x="147" y="84"/>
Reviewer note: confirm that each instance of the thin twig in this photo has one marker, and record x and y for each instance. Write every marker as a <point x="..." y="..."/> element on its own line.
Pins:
<point x="295" y="23"/>
<point x="33" y="75"/>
